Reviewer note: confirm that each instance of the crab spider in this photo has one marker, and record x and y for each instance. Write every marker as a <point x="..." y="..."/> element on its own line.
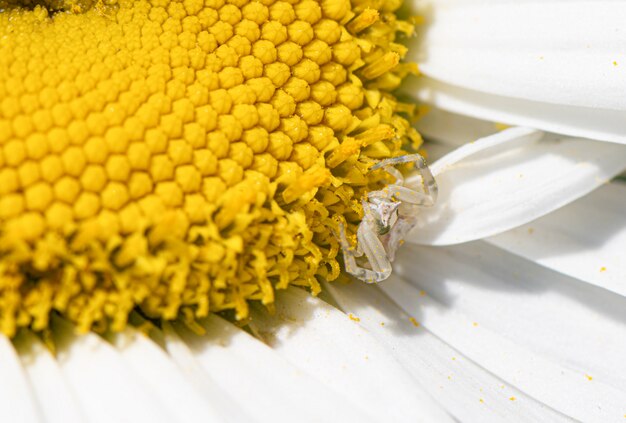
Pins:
<point x="389" y="214"/>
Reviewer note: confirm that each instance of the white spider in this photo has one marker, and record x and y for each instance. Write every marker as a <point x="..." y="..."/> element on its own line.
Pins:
<point x="389" y="214"/>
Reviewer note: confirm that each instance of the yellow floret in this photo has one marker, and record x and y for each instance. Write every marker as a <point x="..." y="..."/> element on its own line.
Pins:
<point x="185" y="157"/>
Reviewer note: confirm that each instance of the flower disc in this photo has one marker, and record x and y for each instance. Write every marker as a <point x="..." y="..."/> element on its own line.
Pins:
<point x="182" y="157"/>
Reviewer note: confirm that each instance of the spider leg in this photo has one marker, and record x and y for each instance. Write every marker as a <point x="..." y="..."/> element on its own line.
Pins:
<point x="349" y="254"/>
<point x="370" y="245"/>
<point x="410" y="196"/>
<point x="399" y="178"/>
<point x="394" y="161"/>
<point x="395" y="238"/>
<point x="387" y="166"/>
<point x="375" y="252"/>
<point x="385" y="194"/>
<point x="429" y="185"/>
<point x="345" y="245"/>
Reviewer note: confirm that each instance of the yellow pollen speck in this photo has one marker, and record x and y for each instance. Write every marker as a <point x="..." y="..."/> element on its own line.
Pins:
<point x="414" y="322"/>
<point x="178" y="158"/>
<point x="614" y="63"/>
<point x="453" y="358"/>
<point x="603" y="269"/>
<point x="382" y="323"/>
<point x="418" y="20"/>
<point x="512" y="399"/>
<point x="501" y="126"/>
<point x="589" y="377"/>
<point x="422" y="293"/>
<point x="482" y="401"/>
<point x="475" y="324"/>
<point x="353" y="318"/>
<point x="531" y="231"/>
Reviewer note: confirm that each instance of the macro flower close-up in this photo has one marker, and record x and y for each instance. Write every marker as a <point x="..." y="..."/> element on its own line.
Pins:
<point x="312" y="210"/>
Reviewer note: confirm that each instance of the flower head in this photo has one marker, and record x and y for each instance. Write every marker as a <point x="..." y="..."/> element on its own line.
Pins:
<point x="186" y="156"/>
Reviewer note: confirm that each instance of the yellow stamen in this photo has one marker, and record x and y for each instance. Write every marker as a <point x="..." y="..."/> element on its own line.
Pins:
<point x="367" y="18"/>
<point x="380" y="66"/>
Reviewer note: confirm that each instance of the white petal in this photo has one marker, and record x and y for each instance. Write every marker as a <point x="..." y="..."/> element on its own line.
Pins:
<point x="452" y="129"/>
<point x="488" y="147"/>
<point x="599" y="124"/>
<point x="566" y="53"/>
<point x="585" y="240"/>
<point x="227" y="407"/>
<point x="512" y="182"/>
<point x="557" y="339"/>
<point x="105" y="387"/>
<point x="261" y="380"/>
<point x="17" y="403"/>
<point x="157" y="370"/>
<point x="46" y="380"/>
<point x="465" y="389"/>
<point x="324" y="342"/>
<point x="435" y="151"/>
<point x="551" y="65"/>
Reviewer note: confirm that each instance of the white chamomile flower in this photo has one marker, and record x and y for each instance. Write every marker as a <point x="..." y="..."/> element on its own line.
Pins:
<point x="507" y="300"/>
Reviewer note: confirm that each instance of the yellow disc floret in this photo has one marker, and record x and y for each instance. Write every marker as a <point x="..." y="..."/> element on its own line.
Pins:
<point x="185" y="157"/>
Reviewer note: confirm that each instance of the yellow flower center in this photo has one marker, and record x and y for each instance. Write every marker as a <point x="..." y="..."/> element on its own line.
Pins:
<point x="184" y="157"/>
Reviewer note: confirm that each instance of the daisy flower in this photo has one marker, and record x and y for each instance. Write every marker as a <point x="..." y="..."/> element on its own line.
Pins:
<point x="174" y="173"/>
